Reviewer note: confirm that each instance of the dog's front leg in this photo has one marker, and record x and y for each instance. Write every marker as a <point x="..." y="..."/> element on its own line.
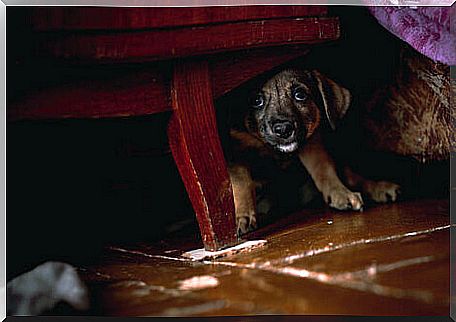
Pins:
<point x="378" y="191"/>
<point x="244" y="197"/>
<point x="322" y="169"/>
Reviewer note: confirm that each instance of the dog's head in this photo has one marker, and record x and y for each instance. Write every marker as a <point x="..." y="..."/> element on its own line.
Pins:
<point x="288" y="107"/>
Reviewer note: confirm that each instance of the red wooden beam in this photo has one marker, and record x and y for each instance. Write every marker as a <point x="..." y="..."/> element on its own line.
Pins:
<point x="97" y="18"/>
<point x="231" y="70"/>
<point x="142" y="93"/>
<point x="196" y="148"/>
<point x="161" y="44"/>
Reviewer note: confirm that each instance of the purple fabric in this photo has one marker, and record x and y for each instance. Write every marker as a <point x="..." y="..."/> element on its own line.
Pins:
<point x="430" y="30"/>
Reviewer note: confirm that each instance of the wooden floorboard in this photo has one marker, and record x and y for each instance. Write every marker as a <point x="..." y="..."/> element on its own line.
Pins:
<point x="388" y="260"/>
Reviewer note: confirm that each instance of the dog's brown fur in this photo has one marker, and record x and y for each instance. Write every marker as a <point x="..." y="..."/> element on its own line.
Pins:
<point x="285" y="122"/>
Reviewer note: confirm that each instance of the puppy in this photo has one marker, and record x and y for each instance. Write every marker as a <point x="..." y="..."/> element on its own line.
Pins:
<point x="283" y="121"/>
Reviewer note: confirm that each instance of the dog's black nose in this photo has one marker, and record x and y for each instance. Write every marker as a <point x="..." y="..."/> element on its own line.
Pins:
<point x="283" y="129"/>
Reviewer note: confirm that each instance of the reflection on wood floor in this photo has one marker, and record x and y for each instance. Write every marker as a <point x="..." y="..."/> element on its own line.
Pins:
<point x="388" y="260"/>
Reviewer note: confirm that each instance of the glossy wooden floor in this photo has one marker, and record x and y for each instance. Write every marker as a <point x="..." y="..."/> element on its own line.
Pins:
<point x="388" y="260"/>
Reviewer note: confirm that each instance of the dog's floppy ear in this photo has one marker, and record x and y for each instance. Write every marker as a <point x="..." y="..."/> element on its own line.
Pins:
<point x="335" y="98"/>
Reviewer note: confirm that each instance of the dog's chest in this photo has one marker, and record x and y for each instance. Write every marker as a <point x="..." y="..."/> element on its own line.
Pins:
<point x="266" y="163"/>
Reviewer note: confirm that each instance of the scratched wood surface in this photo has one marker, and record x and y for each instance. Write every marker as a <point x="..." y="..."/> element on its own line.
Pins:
<point x="194" y="143"/>
<point x="105" y="18"/>
<point x="141" y="92"/>
<point x="388" y="260"/>
<point x="266" y="34"/>
<point x="159" y="44"/>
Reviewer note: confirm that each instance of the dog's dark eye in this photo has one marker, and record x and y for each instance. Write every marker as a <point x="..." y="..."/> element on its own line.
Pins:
<point x="299" y="94"/>
<point x="257" y="101"/>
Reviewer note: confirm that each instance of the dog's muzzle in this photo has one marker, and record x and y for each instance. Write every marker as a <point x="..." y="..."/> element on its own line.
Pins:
<point x="284" y="135"/>
<point x="283" y="129"/>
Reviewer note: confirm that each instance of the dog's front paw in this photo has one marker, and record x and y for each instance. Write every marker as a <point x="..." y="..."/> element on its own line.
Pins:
<point x="382" y="191"/>
<point x="245" y="222"/>
<point x="343" y="199"/>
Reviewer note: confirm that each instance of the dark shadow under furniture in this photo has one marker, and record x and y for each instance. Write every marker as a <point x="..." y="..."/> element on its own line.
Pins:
<point x="191" y="56"/>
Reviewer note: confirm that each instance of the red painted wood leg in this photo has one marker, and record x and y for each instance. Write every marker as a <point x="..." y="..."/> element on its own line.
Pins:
<point x="197" y="151"/>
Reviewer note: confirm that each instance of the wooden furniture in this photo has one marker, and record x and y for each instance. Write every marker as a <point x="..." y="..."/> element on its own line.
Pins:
<point x="212" y="49"/>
